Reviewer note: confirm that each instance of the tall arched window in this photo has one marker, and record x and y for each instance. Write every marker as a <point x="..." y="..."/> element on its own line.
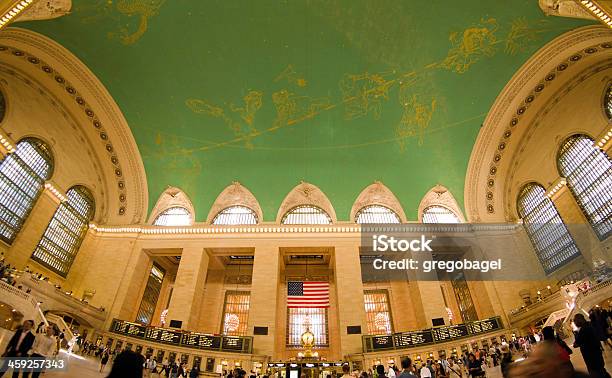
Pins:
<point x="61" y="241"/>
<point x="608" y="102"/>
<point x="235" y="215"/>
<point x="306" y="214"/>
<point x="550" y="237"/>
<point x="376" y="214"/>
<point x="439" y="214"/>
<point x="174" y="216"/>
<point x="22" y="176"/>
<point x="588" y="171"/>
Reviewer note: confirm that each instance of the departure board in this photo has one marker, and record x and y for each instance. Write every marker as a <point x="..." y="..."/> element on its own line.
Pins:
<point x="412" y="339"/>
<point x="201" y="341"/>
<point x="382" y="342"/>
<point x="483" y="326"/>
<point x="450" y="332"/>
<point x="232" y="343"/>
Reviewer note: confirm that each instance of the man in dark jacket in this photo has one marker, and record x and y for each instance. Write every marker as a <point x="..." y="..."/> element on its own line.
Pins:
<point x="590" y="347"/>
<point x="19" y="344"/>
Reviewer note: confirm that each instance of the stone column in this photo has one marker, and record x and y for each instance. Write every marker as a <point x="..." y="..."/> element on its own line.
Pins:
<point x="189" y="287"/>
<point x="349" y="290"/>
<point x="32" y="230"/>
<point x="264" y="298"/>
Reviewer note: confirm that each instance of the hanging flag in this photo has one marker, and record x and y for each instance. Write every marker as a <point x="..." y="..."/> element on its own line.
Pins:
<point x="307" y="294"/>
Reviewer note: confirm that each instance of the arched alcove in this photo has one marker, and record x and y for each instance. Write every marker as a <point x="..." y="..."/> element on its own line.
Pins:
<point x="306" y="194"/>
<point x="440" y="196"/>
<point x="234" y="194"/>
<point x="172" y="197"/>
<point x="377" y="194"/>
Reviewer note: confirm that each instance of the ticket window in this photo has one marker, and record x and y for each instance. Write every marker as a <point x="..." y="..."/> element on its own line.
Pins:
<point x="149" y="352"/>
<point x="139" y="349"/>
<point x="160" y="355"/>
<point x="197" y="361"/>
<point x="118" y="345"/>
<point x="129" y="346"/>
<point x="184" y="358"/>
<point x="475" y="347"/>
<point x="171" y="357"/>
<point x="210" y="364"/>
<point x="109" y="343"/>
<point x="293" y="371"/>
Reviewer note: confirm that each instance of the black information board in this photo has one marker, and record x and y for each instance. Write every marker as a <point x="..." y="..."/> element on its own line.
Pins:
<point x="232" y="343"/>
<point x="450" y="332"/>
<point x="382" y="342"/>
<point x="412" y="339"/>
<point x="483" y="326"/>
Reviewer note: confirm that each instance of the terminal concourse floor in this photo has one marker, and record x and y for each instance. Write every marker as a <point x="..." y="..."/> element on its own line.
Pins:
<point x="87" y="367"/>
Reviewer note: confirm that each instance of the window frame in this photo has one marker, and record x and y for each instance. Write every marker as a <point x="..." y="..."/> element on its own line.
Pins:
<point x="304" y="206"/>
<point x="220" y="213"/>
<point x="441" y="207"/>
<point x="164" y="212"/>
<point x="243" y="327"/>
<point x="388" y="310"/>
<point x="375" y="205"/>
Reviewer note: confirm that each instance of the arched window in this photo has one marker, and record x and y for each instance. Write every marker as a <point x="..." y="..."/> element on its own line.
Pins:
<point x="22" y="176"/>
<point x="306" y="214"/>
<point x="608" y="102"/>
<point x="235" y="215"/>
<point x="174" y="216"/>
<point x="588" y="171"/>
<point x="550" y="237"/>
<point x="376" y="214"/>
<point x="61" y="241"/>
<point x="439" y="214"/>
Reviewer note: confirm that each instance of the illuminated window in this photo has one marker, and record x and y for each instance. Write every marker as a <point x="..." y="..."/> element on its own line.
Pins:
<point x="464" y="297"/>
<point x="236" y="313"/>
<point x="588" y="171"/>
<point x="174" y="216"/>
<point x="302" y="318"/>
<point x="235" y="215"/>
<point x="377" y="311"/>
<point x="608" y="102"/>
<point x="439" y="214"/>
<point x="22" y="176"/>
<point x="376" y="214"/>
<point x="65" y="233"/>
<point x="550" y="237"/>
<point x="151" y="295"/>
<point x="306" y="214"/>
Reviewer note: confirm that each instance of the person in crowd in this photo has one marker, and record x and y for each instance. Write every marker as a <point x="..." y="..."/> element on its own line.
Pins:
<point x="346" y="371"/>
<point x="174" y="367"/>
<point x="454" y="369"/>
<point x="391" y="372"/>
<point x="444" y="365"/>
<point x="127" y="364"/>
<point x="441" y="371"/>
<point x="165" y="365"/>
<point x="364" y="374"/>
<point x="474" y="366"/>
<point x="590" y="346"/>
<point x="104" y="360"/>
<point x="182" y="372"/>
<point x="506" y="360"/>
<point x="543" y="362"/>
<point x="425" y="372"/>
<point x="195" y="371"/>
<point x="19" y="344"/>
<point x="44" y="347"/>
<point x="548" y="336"/>
<point x="150" y="365"/>
<point x="406" y="368"/>
<point x="380" y="371"/>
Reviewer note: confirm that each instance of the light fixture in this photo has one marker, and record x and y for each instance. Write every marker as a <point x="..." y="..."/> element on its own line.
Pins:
<point x="598" y="11"/>
<point x="13" y="9"/>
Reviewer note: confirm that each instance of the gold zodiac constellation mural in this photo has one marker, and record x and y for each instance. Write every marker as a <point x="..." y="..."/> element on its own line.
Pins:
<point x="140" y="10"/>
<point x="471" y="46"/>
<point x="243" y="126"/>
<point x="364" y="94"/>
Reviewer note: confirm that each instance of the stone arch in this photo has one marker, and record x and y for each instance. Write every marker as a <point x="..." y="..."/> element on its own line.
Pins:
<point x="172" y="197"/>
<point x="234" y="194"/>
<point x="306" y="194"/>
<point x="86" y="117"/>
<point x="377" y="193"/>
<point x="551" y="73"/>
<point x="439" y="195"/>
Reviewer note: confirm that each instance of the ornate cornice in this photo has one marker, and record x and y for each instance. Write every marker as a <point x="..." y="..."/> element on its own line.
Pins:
<point x="439" y="195"/>
<point x="377" y="194"/>
<point x="306" y="194"/>
<point x="235" y="194"/>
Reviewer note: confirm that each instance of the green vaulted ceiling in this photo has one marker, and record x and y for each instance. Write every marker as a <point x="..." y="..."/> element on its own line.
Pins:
<point x="336" y="93"/>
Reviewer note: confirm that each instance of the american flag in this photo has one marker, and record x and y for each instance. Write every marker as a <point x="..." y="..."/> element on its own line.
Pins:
<point x="307" y="294"/>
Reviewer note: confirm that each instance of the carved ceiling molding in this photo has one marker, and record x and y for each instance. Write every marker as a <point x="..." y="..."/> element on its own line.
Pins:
<point x="377" y="194"/>
<point x="439" y="195"/>
<point x="100" y="195"/>
<point x="507" y="115"/>
<point x="306" y="194"/>
<point x="45" y="10"/>
<point x="235" y="194"/>
<point x="510" y="190"/>
<point x="172" y="197"/>
<point x="564" y="8"/>
<point x="82" y="89"/>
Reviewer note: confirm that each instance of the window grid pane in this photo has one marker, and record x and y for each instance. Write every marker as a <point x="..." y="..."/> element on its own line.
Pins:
<point x="22" y="175"/>
<point x="306" y="214"/>
<point x="376" y="214"/>
<point x="588" y="171"/>
<point x="301" y="318"/>
<point x="236" y="313"/>
<point x="235" y="215"/>
<point x="550" y="237"/>
<point x="608" y="102"/>
<point x="439" y="214"/>
<point x="378" y="314"/>
<point x="65" y="233"/>
<point x="174" y="216"/>
<point x="151" y="295"/>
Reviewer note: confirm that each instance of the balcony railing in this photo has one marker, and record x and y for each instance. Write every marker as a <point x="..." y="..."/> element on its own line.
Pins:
<point x="436" y="335"/>
<point x="186" y="339"/>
